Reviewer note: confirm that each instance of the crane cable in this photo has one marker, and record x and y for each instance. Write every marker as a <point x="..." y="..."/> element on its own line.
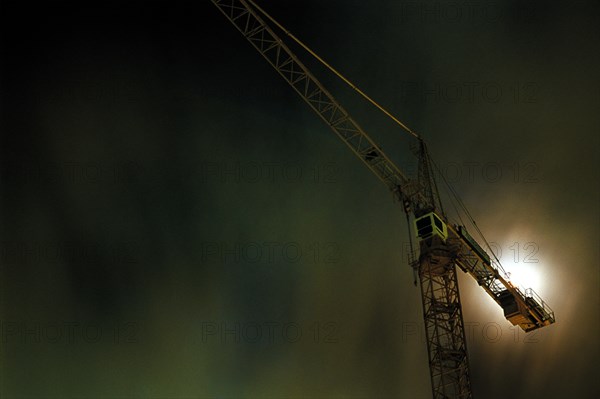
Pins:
<point x="451" y="191"/>
<point x="386" y="112"/>
<point x="462" y="205"/>
<point x="332" y="69"/>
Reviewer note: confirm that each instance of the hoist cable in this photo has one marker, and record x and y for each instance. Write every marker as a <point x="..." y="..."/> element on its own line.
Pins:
<point x="332" y="69"/>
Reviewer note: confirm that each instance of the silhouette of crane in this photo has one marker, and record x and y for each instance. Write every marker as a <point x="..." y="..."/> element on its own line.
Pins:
<point x="443" y="245"/>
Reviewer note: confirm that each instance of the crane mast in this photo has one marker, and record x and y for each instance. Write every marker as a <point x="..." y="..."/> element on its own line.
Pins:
<point x="442" y="246"/>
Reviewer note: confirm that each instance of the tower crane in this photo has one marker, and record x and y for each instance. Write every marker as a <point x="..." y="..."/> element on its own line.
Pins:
<point x="443" y="245"/>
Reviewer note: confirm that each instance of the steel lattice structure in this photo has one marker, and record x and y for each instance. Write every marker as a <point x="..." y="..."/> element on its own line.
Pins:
<point x="443" y="246"/>
<point x="444" y="327"/>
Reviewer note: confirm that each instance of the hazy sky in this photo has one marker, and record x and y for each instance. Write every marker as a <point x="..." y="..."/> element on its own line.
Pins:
<point x="177" y="223"/>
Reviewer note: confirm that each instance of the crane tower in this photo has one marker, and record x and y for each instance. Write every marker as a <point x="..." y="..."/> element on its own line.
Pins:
<point x="443" y="245"/>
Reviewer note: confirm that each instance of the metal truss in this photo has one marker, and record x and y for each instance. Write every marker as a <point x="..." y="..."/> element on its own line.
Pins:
<point x="272" y="48"/>
<point x="442" y="311"/>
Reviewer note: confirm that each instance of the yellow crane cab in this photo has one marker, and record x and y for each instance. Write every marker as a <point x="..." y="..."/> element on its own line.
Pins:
<point x="430" y="225"/>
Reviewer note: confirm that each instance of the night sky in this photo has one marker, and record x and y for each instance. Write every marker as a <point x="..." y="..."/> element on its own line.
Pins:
<point x="176" y="223"/>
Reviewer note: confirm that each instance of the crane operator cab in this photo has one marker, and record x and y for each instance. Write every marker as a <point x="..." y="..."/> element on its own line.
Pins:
<point x="430" y="225"/>
<point x="434" y="255"/>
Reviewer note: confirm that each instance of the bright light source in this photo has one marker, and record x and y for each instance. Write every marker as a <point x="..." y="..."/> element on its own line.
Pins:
<point x="524" y="275"/>
<point x="521" y="261"/>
